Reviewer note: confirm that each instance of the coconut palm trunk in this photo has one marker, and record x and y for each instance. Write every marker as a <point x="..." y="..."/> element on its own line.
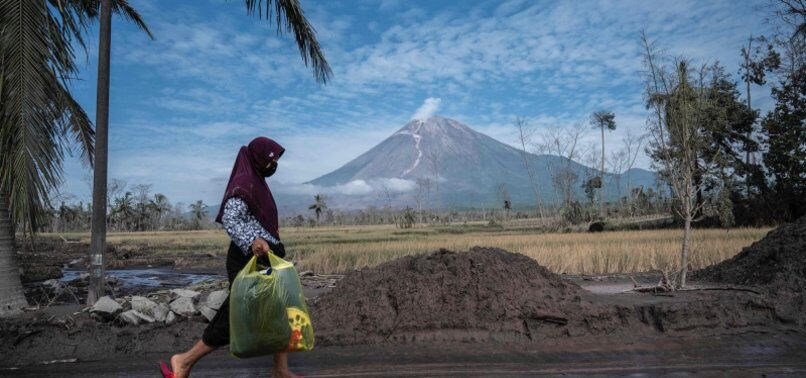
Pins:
<point x="601" y="172"/>
<point x="98" y="240"/>
<point x="13" y="299"/>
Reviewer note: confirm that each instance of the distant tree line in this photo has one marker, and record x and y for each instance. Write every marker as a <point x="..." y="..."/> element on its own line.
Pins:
<point x="130" y="208"/>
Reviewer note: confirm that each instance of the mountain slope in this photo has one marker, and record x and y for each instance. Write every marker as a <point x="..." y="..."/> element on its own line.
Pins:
<point x="471" y="166"/>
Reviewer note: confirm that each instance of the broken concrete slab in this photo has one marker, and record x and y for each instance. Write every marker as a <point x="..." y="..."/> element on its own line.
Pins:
<point x="143" y="317"/>
<point x="129" y="317"/>
<point x="106" y="307"/>
<point x="143" y="304"/>
<point x="183" y="306"/>
<point x="207" y="312"/>
<point x="185" y="293"/>
<point x="215" y="299"/>
<point x="170" y="318"/>
<point x="160" y="312"/>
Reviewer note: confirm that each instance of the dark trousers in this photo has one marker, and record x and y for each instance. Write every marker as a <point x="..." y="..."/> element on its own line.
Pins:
<point x="217" y="332"/>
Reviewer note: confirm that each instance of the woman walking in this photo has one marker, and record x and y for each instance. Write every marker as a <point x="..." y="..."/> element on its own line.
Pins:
<point x="249" y="214"/>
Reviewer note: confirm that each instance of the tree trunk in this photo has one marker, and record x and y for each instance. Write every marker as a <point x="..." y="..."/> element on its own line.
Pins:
<point x="98" y="239"/>
<point x="12" y="299"/>
<point x="749" y="109"/>
<point x="686" y="248"/>
<point x="601" y="172"/>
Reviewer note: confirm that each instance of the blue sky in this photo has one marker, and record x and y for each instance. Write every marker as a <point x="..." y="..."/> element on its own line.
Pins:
<point x="213" y="78"/>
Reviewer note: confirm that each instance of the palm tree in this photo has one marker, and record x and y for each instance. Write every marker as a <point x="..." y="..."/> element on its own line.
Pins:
<point x="38" y="116"/>
<point x="199" y="210"/>
<point x="318" y="206"/>
<point x="160" y="205"/>
<point x="98" y="228"/>
<point x="603" y="120"/>
<point x="123" y="211"/>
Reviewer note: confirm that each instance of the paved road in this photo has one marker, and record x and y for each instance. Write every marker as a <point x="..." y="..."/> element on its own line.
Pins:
<point x="746" y="355"/>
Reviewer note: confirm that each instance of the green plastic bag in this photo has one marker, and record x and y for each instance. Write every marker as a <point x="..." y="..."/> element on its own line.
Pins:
<point x="268" y="313"/>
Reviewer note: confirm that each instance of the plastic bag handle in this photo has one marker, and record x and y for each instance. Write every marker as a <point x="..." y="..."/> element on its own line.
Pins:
<point x="274" y="261"/>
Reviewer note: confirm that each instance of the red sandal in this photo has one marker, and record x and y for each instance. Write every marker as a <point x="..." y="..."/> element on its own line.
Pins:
<point x="165" y="370"/>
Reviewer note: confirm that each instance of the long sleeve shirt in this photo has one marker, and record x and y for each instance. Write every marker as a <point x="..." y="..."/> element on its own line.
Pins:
<point x="242" y="226"/>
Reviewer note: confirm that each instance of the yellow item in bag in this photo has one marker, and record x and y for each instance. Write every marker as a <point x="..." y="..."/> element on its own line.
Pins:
<point x="267" y="312"/>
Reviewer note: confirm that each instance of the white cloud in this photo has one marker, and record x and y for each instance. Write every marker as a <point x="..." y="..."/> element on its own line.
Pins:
<point x="352" y="188"/>
<point x="398" y="185"/>
<point x="427" y="109"/>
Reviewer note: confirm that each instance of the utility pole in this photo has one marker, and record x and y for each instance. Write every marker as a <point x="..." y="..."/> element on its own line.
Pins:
<point x="98" y="238"/>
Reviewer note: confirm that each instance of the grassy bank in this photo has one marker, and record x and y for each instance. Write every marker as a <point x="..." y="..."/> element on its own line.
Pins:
<point x="338" y="249"/>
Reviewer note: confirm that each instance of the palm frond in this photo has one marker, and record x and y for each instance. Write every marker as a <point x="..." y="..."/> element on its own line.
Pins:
<point x="78" y="125"/>
<point x="289" y="17"/>
<point x="81" y="11"/>
<point x="122" y="8"/>
<point x="37" y="112"/>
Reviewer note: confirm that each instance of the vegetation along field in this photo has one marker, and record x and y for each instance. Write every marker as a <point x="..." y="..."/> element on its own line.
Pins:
<point x="343" y="248"/>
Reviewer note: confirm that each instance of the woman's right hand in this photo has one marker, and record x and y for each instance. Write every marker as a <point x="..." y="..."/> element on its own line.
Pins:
<point x="260" y="247"/>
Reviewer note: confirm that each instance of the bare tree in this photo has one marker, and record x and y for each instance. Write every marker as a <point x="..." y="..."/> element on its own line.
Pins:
<point x="504" y="198"/>
<point x="632" y="146"/>
<point x="385" y="194"/>
<point x="524" y="137"/>
<point x="434" y="164"/>
<point x="142" y="192"/>
<point x="616" y="163"/>
<point x="420" y="193"/>
<point x="114" y="190"/>
<point x="423" y="194"/>
<point x="676" y="102"/>
<point x="562" y="142"/>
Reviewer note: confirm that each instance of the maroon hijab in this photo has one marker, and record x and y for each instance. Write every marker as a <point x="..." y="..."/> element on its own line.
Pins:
<point x="247" y="182"/>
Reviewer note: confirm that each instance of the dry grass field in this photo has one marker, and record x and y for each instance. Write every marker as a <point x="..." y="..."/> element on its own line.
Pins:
<point x="339" y="249"/>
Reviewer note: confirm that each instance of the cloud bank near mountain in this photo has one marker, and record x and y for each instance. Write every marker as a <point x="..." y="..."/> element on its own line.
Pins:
<point x="351" y="188"/>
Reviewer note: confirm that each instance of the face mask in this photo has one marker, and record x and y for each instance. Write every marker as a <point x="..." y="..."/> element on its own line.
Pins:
<point x="270" y="169"/>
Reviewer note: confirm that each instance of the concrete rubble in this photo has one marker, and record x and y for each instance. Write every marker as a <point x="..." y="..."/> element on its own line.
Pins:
<point x="198" y="302"/>
<point x="212" y="303"/>
<point x="105" y="307"/>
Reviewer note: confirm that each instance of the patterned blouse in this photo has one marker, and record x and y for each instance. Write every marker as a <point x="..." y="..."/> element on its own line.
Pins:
<point x="242" y="227"/>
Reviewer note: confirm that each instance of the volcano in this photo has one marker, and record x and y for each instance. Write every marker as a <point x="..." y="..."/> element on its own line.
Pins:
<point x="471" y="167"/>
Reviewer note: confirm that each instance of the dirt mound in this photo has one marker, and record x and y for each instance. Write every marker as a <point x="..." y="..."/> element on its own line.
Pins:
<point x="476" y="295"/>
<point x="489" y="294"/>
<point x="776" y="263"/>
<point x="777" y="260"/>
